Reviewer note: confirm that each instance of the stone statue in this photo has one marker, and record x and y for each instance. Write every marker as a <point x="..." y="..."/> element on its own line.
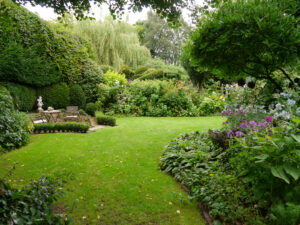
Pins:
<point x="40" y="104"/>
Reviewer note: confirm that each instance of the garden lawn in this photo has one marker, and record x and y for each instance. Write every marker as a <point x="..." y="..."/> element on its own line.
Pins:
<point x="113" y="174"/>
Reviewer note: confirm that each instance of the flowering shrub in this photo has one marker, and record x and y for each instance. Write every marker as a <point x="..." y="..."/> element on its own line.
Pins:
<point x="31" y="204"/>
<point x="247" y="173"/>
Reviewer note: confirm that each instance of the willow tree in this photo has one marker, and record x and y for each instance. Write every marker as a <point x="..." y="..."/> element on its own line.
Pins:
<point x="115" y="43"/>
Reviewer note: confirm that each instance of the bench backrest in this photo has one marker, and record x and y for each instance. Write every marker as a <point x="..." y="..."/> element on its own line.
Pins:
<point x="72" y="109"/>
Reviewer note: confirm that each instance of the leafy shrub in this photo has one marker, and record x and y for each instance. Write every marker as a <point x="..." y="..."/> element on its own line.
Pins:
<point x="61" y="127"/>
<point x="82" y="112"/>
<point x="14" y="129"/>
<point x="91" y="76"/>
<point x="112" y="78"/>
<point x="91" y="108"/>
<point x="24" y="97"/>
<point x="106" y="120"/>
<point x="31" y="204"/>
<point x="127" y="71"/>
<point x="57" y="96"/>
<point x="152" y="98"/>
<point x="106" y="68"/>
<point x="77" y="97"/>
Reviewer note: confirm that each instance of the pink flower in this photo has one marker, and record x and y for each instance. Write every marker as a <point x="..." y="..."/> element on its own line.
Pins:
<point x="243" y="124"/>
<point x="239" y="134"/>
<point x="269" y="119"/>
<point x="252" y="123"/>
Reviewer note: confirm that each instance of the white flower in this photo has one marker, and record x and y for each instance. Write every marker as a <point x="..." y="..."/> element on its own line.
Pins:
<point x="291" y="102"/>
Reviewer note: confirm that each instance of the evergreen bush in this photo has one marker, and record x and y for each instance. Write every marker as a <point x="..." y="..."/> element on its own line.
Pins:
<point x="91" y="108"/>
<point x="106" y="120"/>
<point x="57" y="96"/>
<point x="77" y="97"/>
<point x="24" y="96"/>
<point x="127" y="71"/>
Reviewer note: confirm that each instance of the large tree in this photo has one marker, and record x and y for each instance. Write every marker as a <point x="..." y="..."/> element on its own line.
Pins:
<point x="245" y="38"/>
<point x="164" y="41"/>
<point x="170" y="8"/>
<point x="115" y="43"/>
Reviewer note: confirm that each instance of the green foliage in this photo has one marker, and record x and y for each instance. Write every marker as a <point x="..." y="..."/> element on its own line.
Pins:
<point x="151" y="98"/>
<point x="36" y="53"/>
<point x="57" y="96"/>
<point x="91" y="108"/>
<point x="115" y="43"/>
<point x="77" y="97"/>
<point x="127" y="71"/>
<point x="24" y="96"/>
<point x="171" y="10"/>
<point x="61" y="127"/>
<point x="163" y="41"/>
<point x="14" y="129"/>
<point x="157" y="69"/>
<point x="82" y="112"/>
<point x="106" y="68"/>
<point x="31" y="204"/>
<point x="246" y="38"/>
<point x="106" y="120"/>
<point x="112" y="78"/>
<point x="91" y="76"/>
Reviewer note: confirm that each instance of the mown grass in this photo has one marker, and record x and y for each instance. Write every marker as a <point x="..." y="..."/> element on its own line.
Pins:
<point x="115" y="177"/>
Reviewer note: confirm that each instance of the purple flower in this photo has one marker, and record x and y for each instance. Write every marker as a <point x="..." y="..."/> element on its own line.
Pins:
<point x="256" y="130"/>
<point x="230" y="133"/>
<point x="262" y="124"/>
<point x="252" y="123"/>
<point x="239" y="134"/>
<point x="223" y="112"/>
<point x="243" y="124"/>
<point x="269" y="119"/>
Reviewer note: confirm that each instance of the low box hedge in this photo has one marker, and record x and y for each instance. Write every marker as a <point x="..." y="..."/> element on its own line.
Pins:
<point x="106" y="120"/>
<point x="61" y="127"/>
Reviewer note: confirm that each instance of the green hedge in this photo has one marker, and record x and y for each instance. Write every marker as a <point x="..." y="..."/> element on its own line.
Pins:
<point x="77" y="97"/>
<point x="91" y="108"/>
<point x="24" y="97"/>
<point x="106" y="120"/>
<point x="57" y="96"/>
<point x="61" y="127"/>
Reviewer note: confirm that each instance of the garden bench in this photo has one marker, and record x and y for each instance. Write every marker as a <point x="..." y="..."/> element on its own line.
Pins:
<point x="71" y="113"/>
<point x="38" y="118"/>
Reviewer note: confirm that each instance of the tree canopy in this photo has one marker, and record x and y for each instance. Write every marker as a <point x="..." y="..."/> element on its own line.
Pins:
<point x="170" y="9"/>
<point x="246" y="38"/>
<point x="115" y="43"/>
<point x="162" y="40"/>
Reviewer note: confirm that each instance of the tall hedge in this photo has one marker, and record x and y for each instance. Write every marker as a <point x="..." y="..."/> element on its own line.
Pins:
<point x="91" y="77"/>
<point x="77" y="97"/>
<point x="57" y="96"/>
<point x="36" y="52"/>
<point x="24" y="96"/>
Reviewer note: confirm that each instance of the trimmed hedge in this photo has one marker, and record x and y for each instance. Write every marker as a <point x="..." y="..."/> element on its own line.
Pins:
<point x="77" y="96"/>
<point x="91" y="109"/>
<point x="24" y="97"/>
<point x="61" y="127"/>
<point x="106" y="120"/>
<point x="56" y="96"/>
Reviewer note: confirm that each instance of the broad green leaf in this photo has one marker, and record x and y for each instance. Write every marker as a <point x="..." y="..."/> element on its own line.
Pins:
<point x="293" y="171"/>
<point x="296" y="137"/>
<point x="261" y="158"/>
<point x="278" y="172"/>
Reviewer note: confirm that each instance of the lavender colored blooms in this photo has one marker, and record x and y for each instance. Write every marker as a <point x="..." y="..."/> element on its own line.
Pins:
<point x="239" y="134"/>
<point x="252" y="123"/>
<point x="243" y="124"/>
<point x="230" y="133"/>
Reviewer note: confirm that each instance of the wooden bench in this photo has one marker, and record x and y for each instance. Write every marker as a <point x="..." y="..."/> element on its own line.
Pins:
<point x="72" y="113"/>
